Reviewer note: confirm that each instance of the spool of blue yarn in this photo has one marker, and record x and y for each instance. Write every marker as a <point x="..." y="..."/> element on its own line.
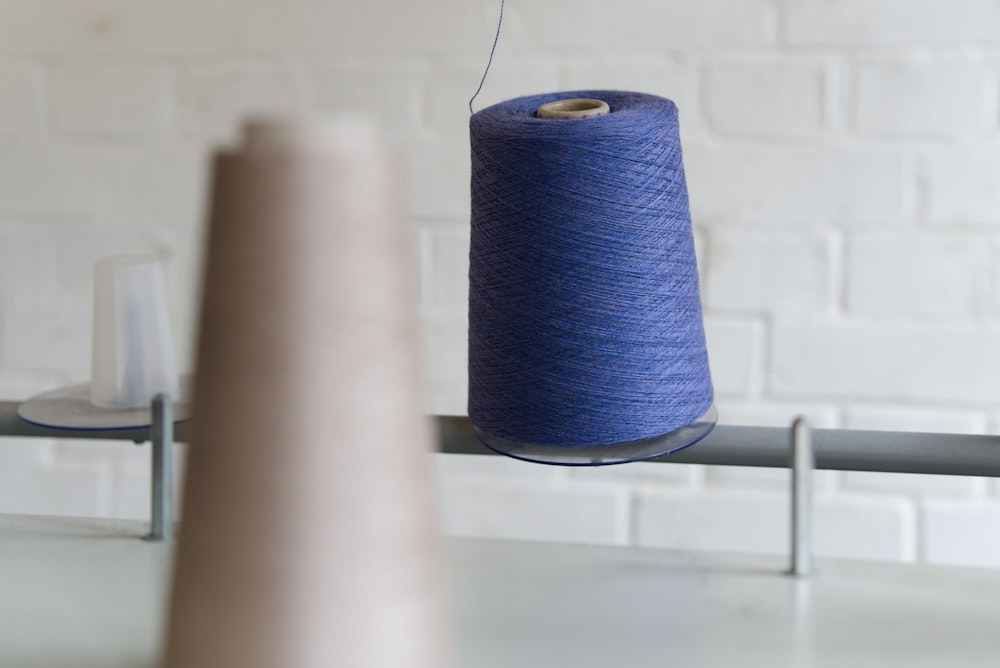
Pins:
<point x="585" y="323"/>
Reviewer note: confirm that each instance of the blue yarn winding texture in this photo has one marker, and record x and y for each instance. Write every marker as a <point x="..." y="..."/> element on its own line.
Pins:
<point x="585" y="323"/>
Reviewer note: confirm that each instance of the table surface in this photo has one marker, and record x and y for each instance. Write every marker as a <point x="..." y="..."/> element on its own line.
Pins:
<point x="90" y="593"/>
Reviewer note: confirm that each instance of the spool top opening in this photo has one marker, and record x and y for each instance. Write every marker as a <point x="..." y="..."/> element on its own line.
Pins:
<point x="574" y="108"/>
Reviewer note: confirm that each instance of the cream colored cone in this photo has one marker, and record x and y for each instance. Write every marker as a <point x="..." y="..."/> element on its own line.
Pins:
<point x="307" y="538"/>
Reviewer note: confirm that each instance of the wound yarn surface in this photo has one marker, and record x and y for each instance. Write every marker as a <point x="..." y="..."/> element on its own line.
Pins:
<point x="585" y="321"/>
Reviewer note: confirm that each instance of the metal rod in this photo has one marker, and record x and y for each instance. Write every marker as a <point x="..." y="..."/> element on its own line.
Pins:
<point x="802" y="467"/>
<point x="162" y="497"/>
<point x="837" y="449"/>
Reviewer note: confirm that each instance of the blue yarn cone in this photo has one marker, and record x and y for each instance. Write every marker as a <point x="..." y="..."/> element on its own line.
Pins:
<point x="585" y="322"/>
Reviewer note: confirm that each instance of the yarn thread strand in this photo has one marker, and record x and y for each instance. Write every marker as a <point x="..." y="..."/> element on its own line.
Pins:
<point x="496" y="38"/>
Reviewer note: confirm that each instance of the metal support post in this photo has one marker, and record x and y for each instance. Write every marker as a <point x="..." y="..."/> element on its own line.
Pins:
<point x="802" y="467"/>
<point x="162" y="436"/>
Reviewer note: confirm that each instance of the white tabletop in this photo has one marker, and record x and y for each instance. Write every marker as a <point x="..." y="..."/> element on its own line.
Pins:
<point x="90" y="593"/>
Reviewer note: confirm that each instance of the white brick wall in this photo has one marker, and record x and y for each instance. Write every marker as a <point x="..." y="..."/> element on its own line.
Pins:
<point x="961" y="186"/>
<point x="891" y="22"/>
<point x="115" y="101"/>
<point x="931" y="97"/>
<point x="792" y="185"/>
<point x="210" y="97"/>
<point x="892" y="275"/>
<point x="766" y="99"/>
<point x="761" y="271"/>
<point x="21" y="111"/>
<point x="909" y="360"/>
<point x="843" y="158"/>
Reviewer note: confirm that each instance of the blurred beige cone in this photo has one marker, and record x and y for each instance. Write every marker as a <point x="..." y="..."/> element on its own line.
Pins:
<point x="308" y="536"/>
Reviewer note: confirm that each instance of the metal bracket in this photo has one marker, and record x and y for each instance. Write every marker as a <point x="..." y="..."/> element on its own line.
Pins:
<point x="803" y="463"/>
<point x="162" y="497"/>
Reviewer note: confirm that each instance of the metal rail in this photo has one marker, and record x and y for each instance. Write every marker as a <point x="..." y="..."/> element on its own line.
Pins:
<point x="902" y="452"/>
<point x="838" y="449"/>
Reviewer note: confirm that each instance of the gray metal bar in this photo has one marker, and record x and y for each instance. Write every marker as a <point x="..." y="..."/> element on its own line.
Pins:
<point x="802" y="467"/>
<point x="162" y="435"/>
<point x="838" y="449"/>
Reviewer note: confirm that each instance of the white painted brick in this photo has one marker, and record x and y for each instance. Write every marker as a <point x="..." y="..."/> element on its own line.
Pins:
<point x="26" y="261"/>
<point x="748" y="477"/>
<point x="131" y="485"/>
<point x="448" y="90"/>
<point x="565" y="513"/>
<point x="215" y="99"/>
<point x="558" y="25"/>
<point x="766" y="98"/>
<point x="439" y="174"/>
<point x="735" y="350"/>
<point x="994" y="278"/>
<point x="900" y="361"/>
<point x="962" y="186"/>
<point x="649" y="474"/>
<point x="113" y="454"/>
<point x="140" y="27"/>
<point x="913" y="418"/>
<point x="793" y="185"/>
<point x="889" y="22"/>
<point x="870" y="528"/>
<point x="456" y="468"/>
<point x="675" y="81"/>
<point x="131" y="493"/>
<point x="920" y="97"/>
<point x="709" y="24"/>
<point x="566" y="24"/>
<point x="768" y="479"/>
<point x="732" y="522"/>
<point x="912" y="484"/>
<point x="959" y="533"/>
<point x="18" y="386"/>
<point x="753" y="271"/>
<point x="51" y="179"/>
<point x="388" y="94"/>
<point x="20" y="100"/>
<point x="164" y="187"/>
<point x="402" y="29"/>
<point x="758" y="523"/>
<point x="774" y="413"/>
<point x="32" y="483"/>
<point x="47" y="336"/>
<point x="446" y="346"/>
<point x="891" y="274"/>
<point x="117" y="100"/>
<point x="444" y="264"/>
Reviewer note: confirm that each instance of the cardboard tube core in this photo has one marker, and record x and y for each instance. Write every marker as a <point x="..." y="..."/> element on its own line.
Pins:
<point x="577" y="107"/>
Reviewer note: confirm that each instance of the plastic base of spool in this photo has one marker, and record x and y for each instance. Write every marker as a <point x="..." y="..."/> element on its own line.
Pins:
<point x="71" y="408"/>
<point x="603" y="455"/>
